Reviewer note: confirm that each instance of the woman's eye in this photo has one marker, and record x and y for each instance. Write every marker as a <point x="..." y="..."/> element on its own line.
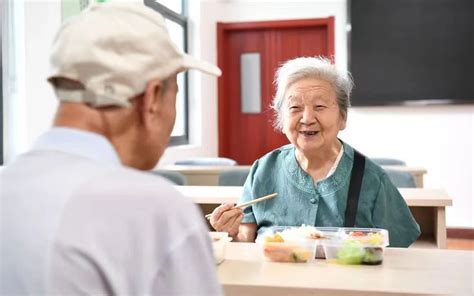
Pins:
<point x="320" y="107"/>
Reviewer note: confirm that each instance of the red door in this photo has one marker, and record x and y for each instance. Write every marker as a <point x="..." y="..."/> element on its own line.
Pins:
<point x="248" y="136"/>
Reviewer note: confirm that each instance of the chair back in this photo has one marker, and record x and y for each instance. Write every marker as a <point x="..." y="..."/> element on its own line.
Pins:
<point x="388" y="161"/>
<point x="401" y="179"/>
<point x="175" y="177"/>
<point x="235" y="177"/>
<point x="207" y="161"/>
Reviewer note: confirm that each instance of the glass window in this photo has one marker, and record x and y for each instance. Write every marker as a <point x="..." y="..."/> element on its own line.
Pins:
<point x="250" y="89"/>
<point x="177" y="35"/>
<point x="176" y="22"/>
<point x="175" y="5"/>
<point x="180" y="124"/>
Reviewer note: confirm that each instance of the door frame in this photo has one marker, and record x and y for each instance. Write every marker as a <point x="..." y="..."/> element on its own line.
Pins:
<point x="223" y="31"/>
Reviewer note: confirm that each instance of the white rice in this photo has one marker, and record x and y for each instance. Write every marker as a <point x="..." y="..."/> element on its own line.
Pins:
<point x="298" y="234"/>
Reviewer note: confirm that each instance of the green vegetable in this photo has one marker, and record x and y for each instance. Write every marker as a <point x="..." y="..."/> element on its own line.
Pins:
<point x="300" y="256"/>
<point x="294" y="257"/>
<point x="351" y="252"/>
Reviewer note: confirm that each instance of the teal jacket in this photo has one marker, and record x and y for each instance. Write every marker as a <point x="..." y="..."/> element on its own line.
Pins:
<point x="300" y="201"/>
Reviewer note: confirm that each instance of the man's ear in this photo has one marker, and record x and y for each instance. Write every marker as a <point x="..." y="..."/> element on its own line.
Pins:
<point x="151" y="99"/>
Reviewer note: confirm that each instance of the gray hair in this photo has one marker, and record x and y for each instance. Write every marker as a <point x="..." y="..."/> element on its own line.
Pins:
<point x="311" y="67"/>
<point x="69" y="85"/>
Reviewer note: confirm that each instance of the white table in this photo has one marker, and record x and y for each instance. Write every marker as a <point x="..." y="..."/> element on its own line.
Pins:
<point x="427" y="205"/>
<point x="403" y="272"/>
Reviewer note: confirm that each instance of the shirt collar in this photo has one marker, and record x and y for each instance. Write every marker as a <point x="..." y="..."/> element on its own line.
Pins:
<point x="78" y="142"/>
<point x="328" y="185"/>
<point x="336" y="163"/>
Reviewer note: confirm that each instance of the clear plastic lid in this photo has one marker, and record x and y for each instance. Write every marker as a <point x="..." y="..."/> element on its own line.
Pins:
<point x="373" y="237"/>
<point x="366" y="237"/>
<point x="290" y="234"/>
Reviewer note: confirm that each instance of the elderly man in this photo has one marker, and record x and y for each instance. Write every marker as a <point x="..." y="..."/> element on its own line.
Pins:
<point x="75" y="219"/>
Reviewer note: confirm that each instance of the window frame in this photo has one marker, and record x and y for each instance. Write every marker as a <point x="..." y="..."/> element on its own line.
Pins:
<point x="182" y="20"/>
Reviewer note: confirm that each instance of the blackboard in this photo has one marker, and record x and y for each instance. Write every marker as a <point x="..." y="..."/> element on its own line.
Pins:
<point x="411" y="51"/>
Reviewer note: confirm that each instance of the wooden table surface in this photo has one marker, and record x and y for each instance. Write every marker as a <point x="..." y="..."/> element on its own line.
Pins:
<point x="403" y="272"/>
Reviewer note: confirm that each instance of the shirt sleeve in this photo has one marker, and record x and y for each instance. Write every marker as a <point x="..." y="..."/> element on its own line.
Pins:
<point x="248" y="195"/>
<point x="392" y="213"/>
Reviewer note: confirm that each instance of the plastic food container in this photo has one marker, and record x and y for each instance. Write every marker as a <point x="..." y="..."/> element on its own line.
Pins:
<point x="289" y="243"/>
<point x="219" y="242"/>
<point x="356" y="246"/>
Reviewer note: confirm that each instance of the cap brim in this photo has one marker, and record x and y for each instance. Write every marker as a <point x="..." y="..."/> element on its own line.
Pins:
<point x="190" y="62"/>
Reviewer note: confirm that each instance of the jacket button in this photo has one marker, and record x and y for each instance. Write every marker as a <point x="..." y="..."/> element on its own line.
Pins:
<point x="313" y="201"/>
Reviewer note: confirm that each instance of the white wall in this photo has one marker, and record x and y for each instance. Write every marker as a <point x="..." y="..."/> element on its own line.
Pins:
<point x="30" y="102"/>
<point x="42" y="20"/>
<point x="438" y="138"/>
<point x="14" y="108"/>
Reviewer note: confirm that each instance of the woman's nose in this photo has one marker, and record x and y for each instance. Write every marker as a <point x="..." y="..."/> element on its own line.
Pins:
<point x="309" y="116"/>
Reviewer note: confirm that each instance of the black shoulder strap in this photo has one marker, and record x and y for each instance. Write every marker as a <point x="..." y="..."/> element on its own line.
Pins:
<point x="354" y="189"/>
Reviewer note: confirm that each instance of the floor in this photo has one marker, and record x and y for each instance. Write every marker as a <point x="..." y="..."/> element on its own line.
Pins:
<point x="460" y="244"/>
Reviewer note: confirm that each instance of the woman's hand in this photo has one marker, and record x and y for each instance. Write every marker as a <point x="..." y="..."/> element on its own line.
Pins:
<point x="226" y="218"/>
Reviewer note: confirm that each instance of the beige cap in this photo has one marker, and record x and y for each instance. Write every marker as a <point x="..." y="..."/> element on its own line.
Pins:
<point x="114" y="49"/>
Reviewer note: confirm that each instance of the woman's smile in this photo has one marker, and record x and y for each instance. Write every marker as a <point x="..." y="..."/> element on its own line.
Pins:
<point x="309" y="134"/>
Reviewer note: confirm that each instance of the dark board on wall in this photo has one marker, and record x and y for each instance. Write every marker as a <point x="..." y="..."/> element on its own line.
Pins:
<point x="412" y="51"/>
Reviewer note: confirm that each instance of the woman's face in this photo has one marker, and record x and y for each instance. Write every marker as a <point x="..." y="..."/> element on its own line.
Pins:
<point x="311" y="117"/>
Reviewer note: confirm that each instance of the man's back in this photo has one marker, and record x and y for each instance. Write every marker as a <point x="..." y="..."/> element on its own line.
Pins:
<point x="111" y="230"/>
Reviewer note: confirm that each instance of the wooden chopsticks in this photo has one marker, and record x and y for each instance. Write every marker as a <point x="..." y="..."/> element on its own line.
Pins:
<point x="248" y="203"/>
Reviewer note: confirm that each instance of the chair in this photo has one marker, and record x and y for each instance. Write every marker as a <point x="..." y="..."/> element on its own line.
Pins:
<point x="175" y="177"/>
<point x="233" y="177"/>
<point x="401" y="179"/>
<point x="388" y="161"/>
<point x="207" y="161"/>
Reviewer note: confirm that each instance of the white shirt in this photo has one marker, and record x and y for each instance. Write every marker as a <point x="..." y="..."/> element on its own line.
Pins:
<point x="74" y="221"/>
<point x="334" y="166"/>
<point x="336" y="162"/>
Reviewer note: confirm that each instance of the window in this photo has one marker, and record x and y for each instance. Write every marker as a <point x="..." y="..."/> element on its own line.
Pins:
<point x="174" y="12"/>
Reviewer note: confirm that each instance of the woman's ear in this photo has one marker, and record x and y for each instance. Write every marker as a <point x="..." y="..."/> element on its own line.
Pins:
<point x="343" y="124"/>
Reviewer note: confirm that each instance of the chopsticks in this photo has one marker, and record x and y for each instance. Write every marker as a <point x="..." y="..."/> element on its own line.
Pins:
<point x="248" y="203"/>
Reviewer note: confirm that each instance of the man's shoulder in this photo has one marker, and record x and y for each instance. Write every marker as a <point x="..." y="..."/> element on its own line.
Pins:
<point x="127" y="198"/>
<point x="123" y="188"/>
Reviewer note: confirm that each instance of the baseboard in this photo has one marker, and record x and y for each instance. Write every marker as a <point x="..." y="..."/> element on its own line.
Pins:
<point x="464" y="233"/>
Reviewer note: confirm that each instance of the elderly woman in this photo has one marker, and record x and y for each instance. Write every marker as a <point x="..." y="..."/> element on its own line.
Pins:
<point x="320" y="180"/>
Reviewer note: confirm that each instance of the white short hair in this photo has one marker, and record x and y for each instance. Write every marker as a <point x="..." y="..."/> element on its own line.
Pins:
<point x="311" y="67"/>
